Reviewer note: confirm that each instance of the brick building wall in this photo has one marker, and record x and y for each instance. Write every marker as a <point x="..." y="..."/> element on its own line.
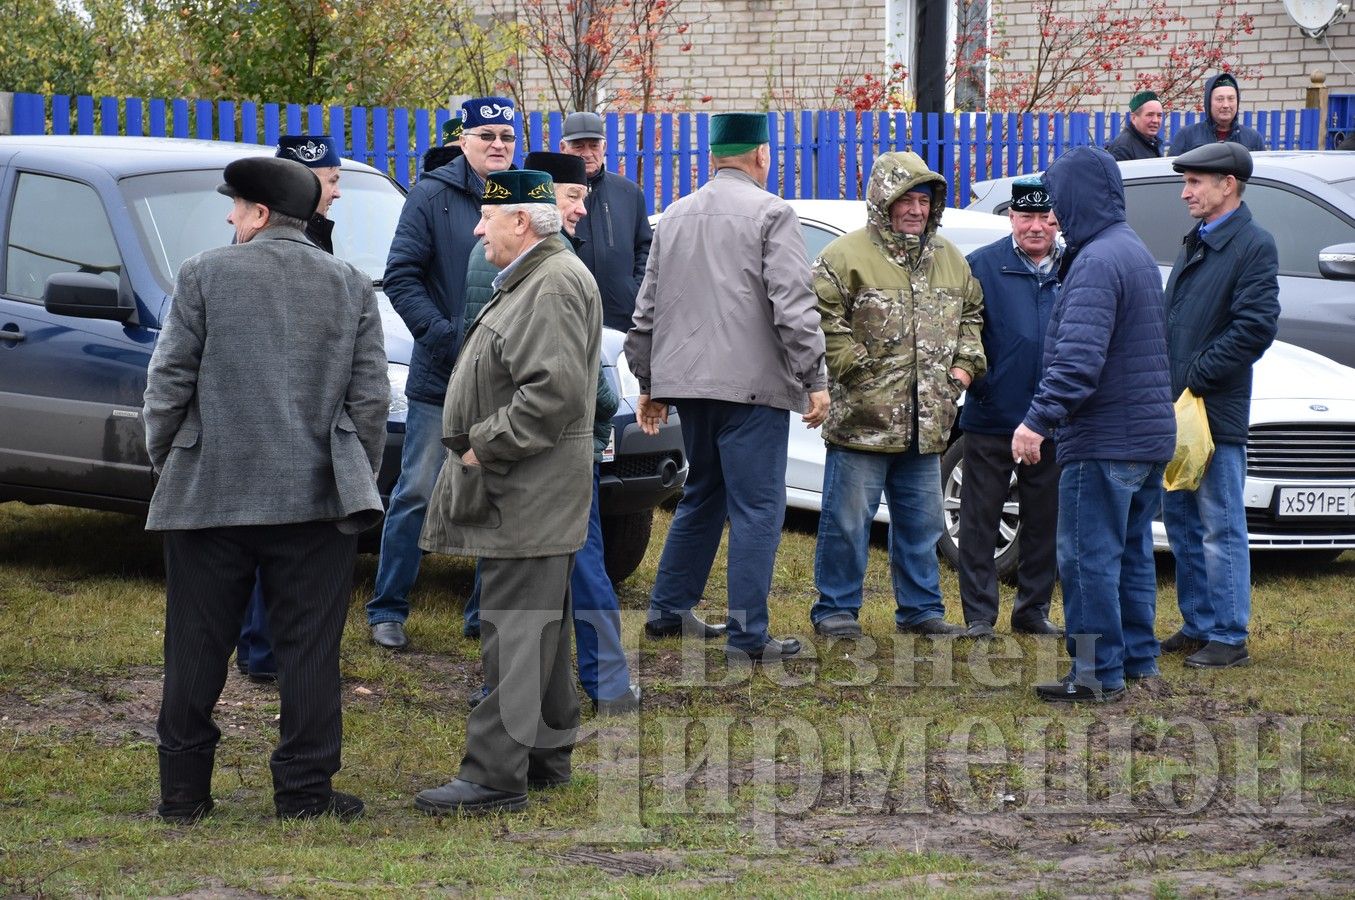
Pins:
<point x="757" y="54"/>
<point x="1284" y="55"/>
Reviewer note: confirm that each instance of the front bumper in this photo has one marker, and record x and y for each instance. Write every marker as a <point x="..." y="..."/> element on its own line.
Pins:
<point x="646" y="470"/>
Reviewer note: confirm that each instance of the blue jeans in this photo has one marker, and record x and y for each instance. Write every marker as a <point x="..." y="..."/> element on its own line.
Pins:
<point x="254" y="650"/>
<point x="852" y="484"/>
<point x="603" y="671"/>
<point x="737" y="454"/>
<point x="1207" y="529"/>
<point x="1105" y="546"/>
<point x="420" y="461"/>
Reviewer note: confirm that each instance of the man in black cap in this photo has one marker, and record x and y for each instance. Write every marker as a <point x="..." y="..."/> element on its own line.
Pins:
<point x="1222" y="98"/>
<point x="1020" y="279"/>
<point x="726" y="329"/>
<point x="1139" y="139"/>
<point x="320" y="154"/>
<point x="614" y="238"/>
<point x="263" y="468"/>
<point x="1223" y="312"/>
<point x="515" y="492"/>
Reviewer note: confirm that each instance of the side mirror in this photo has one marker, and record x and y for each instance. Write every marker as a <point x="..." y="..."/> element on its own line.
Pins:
<point x="1337" y="262"/>
<point x="86" y="296"/>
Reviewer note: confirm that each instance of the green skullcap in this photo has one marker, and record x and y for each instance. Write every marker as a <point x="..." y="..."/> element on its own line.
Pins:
<point x="518" y="186"/>
<point x="735" y="133"/>
<point x="451" y="129"/>
<point x="1139" y="99"/>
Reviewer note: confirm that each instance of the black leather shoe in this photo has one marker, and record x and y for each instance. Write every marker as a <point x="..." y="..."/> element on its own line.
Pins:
<point x="1070" y="692"/>
<point x="184" y="813"/>
<point x="1182" y="643"/>
<point x="624" y="705"/>
<point x="478" y="697"/>
<point x="390" y="635"/>
<point x="933" y="627"/>
<point x="1037" y="626"/>
<point x="1218" y="655"/>
<point x="979" y="630"/>
<point x="773" y="650"/>
<point x="262" y="677"/>
<point x="689" y="625"/>
<point x="841" y="624"/>
<point x="545" y="783"/>
<point x="344" y="807"/>
<point x="467" y="799"/>
<point x="471" y="631"/>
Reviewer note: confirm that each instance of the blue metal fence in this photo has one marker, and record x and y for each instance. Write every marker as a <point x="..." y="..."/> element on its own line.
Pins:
<point x="818" y="154"/>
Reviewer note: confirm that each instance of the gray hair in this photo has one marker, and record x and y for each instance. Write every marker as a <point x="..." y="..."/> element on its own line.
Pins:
<point x="545" y="217"/>
<point x="282" y="220"/>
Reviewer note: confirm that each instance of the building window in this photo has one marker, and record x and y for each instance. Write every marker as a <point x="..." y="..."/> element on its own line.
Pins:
<point x="968" y="54"/>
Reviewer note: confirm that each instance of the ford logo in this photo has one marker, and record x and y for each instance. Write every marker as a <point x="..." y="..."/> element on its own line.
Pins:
<point x="1317" y="407"/>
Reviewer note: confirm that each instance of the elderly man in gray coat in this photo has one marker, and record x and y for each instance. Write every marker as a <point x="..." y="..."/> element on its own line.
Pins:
<point x="265" y="413"/>
<point x="516" y="491"/>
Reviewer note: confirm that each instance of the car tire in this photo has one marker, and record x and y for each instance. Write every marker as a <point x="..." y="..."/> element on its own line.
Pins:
<point x="1009" y="534"/>
<point x="624" y="542"/>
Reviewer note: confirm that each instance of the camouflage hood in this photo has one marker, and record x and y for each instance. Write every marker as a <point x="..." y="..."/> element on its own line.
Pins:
<point x="892" y="176"/>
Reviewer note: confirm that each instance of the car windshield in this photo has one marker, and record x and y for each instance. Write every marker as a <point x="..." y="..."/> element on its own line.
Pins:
<point x="180" y="214"/>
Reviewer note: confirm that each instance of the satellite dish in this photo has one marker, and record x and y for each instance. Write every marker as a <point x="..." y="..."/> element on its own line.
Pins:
<point x="1314" y="17"/>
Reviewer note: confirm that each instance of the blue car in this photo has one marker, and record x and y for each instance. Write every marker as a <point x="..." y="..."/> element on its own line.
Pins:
<point x="95" y="229"/>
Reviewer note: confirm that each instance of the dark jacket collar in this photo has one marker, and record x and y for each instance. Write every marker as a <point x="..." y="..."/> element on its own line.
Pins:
<point x="1154" y="144"/>
<point x="282" y="233"/>
<point x="1218" y="238"/>
<point x="528" y="263"/>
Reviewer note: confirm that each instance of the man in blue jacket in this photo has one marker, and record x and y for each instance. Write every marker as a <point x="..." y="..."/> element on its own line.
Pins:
<point x="425" y="281"/>
<point x="1222" y="98"/>
<point x="1020" y="278"/>
<point x="614" y="238"/>
<point x="1223" y="310"/>
<point x="1105" y="398"/>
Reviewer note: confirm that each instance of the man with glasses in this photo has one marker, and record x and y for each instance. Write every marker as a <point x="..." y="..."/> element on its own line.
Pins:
<point x="425" y="280"/>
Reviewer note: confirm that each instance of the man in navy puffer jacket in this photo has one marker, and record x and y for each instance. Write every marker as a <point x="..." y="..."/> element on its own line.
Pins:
<point x="1105" y="398"/>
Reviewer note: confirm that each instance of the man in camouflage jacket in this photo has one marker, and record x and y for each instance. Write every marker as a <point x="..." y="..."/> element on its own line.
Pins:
<point x="902" y="318"/>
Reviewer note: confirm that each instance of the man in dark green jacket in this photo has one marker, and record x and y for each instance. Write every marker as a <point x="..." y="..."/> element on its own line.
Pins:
<point x="1222" y="313"/>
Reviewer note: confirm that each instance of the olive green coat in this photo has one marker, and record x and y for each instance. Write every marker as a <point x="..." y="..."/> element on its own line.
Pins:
<point x="522" y="396"/>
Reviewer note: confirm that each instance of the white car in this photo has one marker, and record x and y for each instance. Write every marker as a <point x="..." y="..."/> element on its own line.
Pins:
<point x="1300" y="490"/>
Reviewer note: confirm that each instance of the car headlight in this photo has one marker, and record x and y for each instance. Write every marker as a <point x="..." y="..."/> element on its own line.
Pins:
<point x="625" y="378"/>
<point x="398" y="375"/>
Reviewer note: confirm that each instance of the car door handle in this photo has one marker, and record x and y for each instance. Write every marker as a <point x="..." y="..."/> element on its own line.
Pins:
<point x="12" y="334"/>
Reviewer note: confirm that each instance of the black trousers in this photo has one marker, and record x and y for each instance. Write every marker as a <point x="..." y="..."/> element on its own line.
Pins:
<point x="988" y="469"/>
<point x="525" y="728"/>
<point x="306" y="571"/>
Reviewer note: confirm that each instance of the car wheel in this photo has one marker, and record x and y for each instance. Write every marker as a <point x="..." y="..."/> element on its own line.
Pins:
<point x="1009" y="527"/>
<point x="624" y="542"/>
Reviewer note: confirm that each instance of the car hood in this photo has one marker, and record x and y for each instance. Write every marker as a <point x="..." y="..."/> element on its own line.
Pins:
<point x="1287" y="372"/>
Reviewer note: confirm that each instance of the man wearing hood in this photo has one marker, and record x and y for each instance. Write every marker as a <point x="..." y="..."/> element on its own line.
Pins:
<point x="426" y="282"/>
<point x="1105" y="399"/>
<point x="902" y="317"/>
<point x="1222" y="97"/>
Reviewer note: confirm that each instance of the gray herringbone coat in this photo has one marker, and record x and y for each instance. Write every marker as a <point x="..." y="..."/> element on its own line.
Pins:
<point x="267" y="395"/>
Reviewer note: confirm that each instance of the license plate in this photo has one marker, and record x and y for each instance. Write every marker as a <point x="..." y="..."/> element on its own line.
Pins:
<point x="1323" y="502"/>
<point x="609" y="452"/>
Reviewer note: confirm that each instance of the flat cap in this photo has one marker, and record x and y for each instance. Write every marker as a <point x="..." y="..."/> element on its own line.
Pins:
<point x="1222" y="158"/>
<point x="582" y="125"/>
<point x="283" y="185"/>
<point x="561" y="167"/>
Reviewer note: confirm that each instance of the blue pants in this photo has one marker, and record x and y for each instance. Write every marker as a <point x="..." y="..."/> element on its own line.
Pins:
<point x="1207" y="529"/>
<point x="737" y="454"/>
<point x="420" y="461"/>
<point x="852" y="484"/>
<point x="603" y="671"/>
<point x="1105" y="547"/>
<point x="254" y="650"/>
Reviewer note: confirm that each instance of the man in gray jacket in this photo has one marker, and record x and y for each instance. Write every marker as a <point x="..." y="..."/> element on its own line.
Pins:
<point x="516" y="489"/>
<point x="726" y="329"/>
<point x="265" y="414"/>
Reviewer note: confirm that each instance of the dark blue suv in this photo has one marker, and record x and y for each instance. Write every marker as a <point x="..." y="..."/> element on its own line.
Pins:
<point x="94" y="231"/>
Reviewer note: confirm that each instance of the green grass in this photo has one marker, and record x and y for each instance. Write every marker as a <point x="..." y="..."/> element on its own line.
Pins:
<point x="895" y="765"/>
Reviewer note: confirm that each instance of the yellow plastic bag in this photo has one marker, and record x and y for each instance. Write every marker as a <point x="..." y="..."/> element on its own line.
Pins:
<point x="1194" y="445"/>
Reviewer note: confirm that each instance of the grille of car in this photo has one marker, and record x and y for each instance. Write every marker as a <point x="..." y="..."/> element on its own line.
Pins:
<point x="1307" y="451"/>
<point x="1265" y="531"/>
<point x="641" y="465"/>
